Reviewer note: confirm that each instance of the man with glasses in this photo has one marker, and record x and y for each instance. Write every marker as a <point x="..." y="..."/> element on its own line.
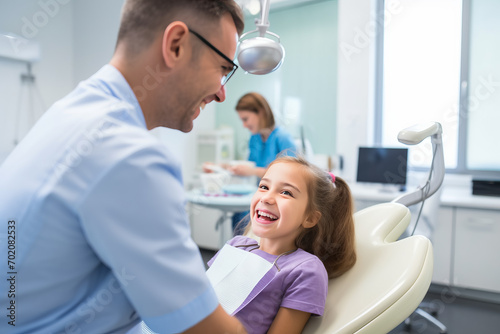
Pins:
<point x="97" y="203"/>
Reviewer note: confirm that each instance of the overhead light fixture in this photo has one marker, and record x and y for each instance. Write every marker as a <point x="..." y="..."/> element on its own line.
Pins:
<point x="260" y="54"/>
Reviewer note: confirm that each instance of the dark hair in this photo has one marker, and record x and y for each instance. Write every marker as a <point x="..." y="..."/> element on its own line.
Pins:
<point x="332" y="238"/>
<point x="256" y="103"/>
<point x="143" y="20"/>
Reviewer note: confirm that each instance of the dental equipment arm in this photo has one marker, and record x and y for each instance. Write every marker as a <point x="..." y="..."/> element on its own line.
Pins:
<point x="412" y="136"/>
<point x="263" y="24"/>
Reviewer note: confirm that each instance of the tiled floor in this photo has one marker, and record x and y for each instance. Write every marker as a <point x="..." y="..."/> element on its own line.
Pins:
<point x="459" y="315"/>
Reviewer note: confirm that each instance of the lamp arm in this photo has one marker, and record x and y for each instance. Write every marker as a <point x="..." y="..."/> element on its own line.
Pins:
<point x="263" y="23"/>
<point x="436" y="173"/>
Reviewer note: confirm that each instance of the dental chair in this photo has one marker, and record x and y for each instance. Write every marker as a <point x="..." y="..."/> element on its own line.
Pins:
<point x="391" y="276"/>
<point x="388" y="281"/>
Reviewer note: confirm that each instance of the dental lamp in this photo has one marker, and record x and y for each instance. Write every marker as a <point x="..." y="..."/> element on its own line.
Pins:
<point x="412" y="136"/>
<point x="260" y="55"/>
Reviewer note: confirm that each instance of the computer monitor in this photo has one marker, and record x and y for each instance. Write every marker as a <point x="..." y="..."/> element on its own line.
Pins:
<point x="382" y="165"/>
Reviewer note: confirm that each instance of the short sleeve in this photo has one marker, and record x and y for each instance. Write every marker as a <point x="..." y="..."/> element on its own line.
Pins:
<point x="286" y="145"/>
<point x="134" y="219"/>
<point x="255" y="148"/>
<point x="306" y="287"/>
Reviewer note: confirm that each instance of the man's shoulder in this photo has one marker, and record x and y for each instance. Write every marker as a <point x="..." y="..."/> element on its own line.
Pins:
<point x="106" y="94"/>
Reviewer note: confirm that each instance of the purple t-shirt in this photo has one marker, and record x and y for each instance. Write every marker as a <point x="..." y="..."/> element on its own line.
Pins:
<point x="301" y="284"/>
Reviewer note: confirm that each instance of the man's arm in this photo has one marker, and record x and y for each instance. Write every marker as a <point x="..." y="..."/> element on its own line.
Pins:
<point x="218" y="322"/>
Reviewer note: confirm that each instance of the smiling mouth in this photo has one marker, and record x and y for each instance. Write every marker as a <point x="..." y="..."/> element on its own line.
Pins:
<point x="198" y="111"/>
<point x="266" y="216"/>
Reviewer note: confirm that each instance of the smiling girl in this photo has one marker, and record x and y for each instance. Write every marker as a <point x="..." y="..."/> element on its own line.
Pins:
<point x="303" y="218"/>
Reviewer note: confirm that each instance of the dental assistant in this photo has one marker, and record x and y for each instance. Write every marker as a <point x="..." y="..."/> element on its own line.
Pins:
<point x="93" y="204"/>
<point x="267" y="140"/>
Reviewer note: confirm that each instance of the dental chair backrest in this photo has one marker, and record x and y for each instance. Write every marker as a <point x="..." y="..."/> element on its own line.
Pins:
<point x="388" y="281"/>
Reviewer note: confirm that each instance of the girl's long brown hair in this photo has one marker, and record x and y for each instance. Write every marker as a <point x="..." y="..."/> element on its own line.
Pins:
<point x="332" y="238"/>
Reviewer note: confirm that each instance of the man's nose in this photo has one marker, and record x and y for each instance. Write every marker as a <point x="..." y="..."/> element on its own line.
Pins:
<point x="220" y="96"/>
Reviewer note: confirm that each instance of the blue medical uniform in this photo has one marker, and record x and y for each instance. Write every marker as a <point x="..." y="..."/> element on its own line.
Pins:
<point x="102" y="239"/>
<point x="265" y="152"/>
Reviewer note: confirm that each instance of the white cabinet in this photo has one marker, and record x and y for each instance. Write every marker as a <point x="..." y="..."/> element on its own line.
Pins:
<point x="215" y="146"/>
<point x="477" y="248"/>
<point x="442" y="241"/>
<point x="203" y="230"/>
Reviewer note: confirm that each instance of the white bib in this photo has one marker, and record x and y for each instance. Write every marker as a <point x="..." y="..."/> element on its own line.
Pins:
<point x="234" y="274"/>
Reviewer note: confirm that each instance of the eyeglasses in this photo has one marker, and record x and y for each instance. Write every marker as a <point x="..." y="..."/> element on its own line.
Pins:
<point x="226" y="77"/>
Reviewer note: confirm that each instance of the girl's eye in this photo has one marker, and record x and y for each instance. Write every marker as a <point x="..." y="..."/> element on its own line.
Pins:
<point x="286" y="192"/>
<point x="262" y="186"/>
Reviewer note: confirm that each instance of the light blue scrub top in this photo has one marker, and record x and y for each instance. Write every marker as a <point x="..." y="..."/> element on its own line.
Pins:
<point x="100" y="227"/>
<point x="263" y="153"/>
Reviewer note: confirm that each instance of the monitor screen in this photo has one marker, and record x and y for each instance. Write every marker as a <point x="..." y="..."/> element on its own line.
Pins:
<point x="382" y="165"/>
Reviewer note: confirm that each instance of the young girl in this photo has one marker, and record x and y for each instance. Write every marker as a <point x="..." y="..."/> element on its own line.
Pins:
<point x="304" y="219"/>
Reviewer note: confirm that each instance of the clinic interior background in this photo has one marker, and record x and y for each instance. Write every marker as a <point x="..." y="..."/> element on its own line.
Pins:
<point x="329" y="86"/>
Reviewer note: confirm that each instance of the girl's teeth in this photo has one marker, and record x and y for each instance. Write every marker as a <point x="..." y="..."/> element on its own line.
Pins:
<point x="267" y="215"/>
<point x="202" y="105"/>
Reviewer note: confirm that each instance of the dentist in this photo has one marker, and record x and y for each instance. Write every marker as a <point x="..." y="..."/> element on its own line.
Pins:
<point x="92" y="206"/>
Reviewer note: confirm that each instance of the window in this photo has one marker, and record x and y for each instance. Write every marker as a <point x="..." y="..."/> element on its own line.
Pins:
<point x="439" y="62"/>
<point x="483" y="113"/>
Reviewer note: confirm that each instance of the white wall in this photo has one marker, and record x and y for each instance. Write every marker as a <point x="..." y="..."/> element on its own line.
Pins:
<point x="48" y="22"/>
<point x="355" y="81"/>
<point x="95" y="28"/>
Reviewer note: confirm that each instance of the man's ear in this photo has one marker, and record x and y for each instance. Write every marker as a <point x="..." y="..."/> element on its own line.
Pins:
<point x="312" y="219"/>
<point x="174" y="43"/>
